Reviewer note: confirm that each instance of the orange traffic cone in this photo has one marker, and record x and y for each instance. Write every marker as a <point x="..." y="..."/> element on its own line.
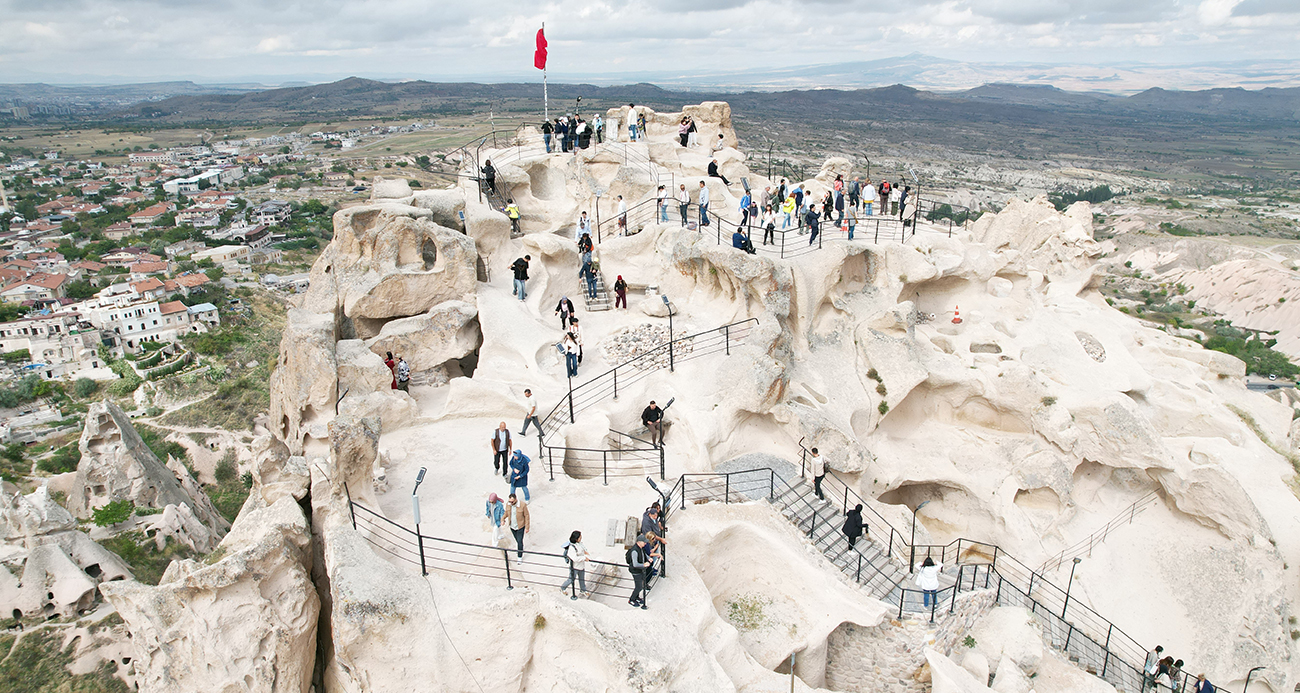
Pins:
<point x="956" y="315"/>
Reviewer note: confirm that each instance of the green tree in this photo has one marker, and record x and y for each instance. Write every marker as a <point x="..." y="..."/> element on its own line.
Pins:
<point x="85" y="387"/>
<point x="80" y="290"/>
<point x="216" y="273"/>
<point x="113" y="513"/>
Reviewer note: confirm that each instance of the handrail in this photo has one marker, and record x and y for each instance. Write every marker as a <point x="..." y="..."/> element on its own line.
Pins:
<point x="596" y="388"/>
<point x="533" y="568"/>
<point x="1086" y="545"/>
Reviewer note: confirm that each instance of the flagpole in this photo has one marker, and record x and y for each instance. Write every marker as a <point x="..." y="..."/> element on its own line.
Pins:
<point x="546" y="102"/>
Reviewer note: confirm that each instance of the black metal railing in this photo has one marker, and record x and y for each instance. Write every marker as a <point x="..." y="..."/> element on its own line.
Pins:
<point x="630" y="457"/>
<point x="665" y="355"/>
<point x="485" y="563"/>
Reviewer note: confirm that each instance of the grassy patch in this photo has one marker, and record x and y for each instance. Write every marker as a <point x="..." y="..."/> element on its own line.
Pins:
<point x="746" y="611"/>
<point x="231" y="407"/>
<point x="229" y="495"/>
<point x="1253" y="425"/>
<point x="146" y="561"/>
<point x="37" y="664"/>
<point x="156" y="440"/>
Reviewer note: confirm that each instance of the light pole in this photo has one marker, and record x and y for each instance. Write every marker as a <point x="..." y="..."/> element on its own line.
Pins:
<point x="415" y="510"/>
<point x="912" y="560"/>
<point x="1068" y="585"/>
<point x="1249" y="674"/>
<point x="864" y="156"/>
<point x="669" y="306"/>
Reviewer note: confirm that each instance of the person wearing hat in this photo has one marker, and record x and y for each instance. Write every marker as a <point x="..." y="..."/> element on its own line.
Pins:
<point x="638" y="563"/>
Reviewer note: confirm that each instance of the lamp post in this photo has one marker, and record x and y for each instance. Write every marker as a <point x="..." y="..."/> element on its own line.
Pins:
<point x="415" y="510"/>
<point x="864" y="156"/>
<point x="912" y="543"/>
<point x="1068" y="585"/>
<point x="1249" y="674"/>
<point x="669" y="306"/>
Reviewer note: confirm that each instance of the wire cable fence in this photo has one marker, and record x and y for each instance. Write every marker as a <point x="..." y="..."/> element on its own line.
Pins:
<point x="1085" y="546"/>
<point x="487" y="564"/>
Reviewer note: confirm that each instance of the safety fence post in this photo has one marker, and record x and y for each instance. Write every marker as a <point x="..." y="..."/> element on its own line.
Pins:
<point x="505" y="557"/>
<point x="420" y="540"/>
<point x="604" y="466"/>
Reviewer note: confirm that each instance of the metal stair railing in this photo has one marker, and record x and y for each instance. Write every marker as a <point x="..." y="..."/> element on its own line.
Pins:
<point x="580" y="397"/>
<point x="1085" y="546"/>
<point x="1089" y="638"/>
<point x="485" y="563"/>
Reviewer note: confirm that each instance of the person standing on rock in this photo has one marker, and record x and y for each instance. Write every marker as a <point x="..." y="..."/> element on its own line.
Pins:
<point x="927" y="578"/>
<point x="787" y="211"/>
<point x="512" y="212"/>
<point x="620" y="292"/>
<point x="816" y="467"/>
<point x="598" y="126"/>
<point x="631" y="122"/>
<point x="500" y="445"/>
<point x="869" y="198"/>
<point x="530" y="415"/>
<point x="622" y="216"/>
<point x="811" y="219"/>
<point x="661" y="201"/>
<point x="902" y="200"/>
<point x="576" y="557"/>
<point x="683" y="203"/>
<point x="769" y="225"/>
<point x="570" y="355"/>
<point x="745" y="201"/>
<point x="704" y="204"/>
<point x="839" y="208"/>
<point x="575" y="331"/>
<point x="653" y="527"/>
<point x="895" y="197"/>
<point x="853" y="525"/>
<point x="547" y="130"/>
<point x="519" y="464"/>
<point x="851" y="217"/>
<point x="403" y="375"/>
<point x="855" y="193"/>
<point x="652" y="418"/>
<point x="392" y="367"/>
<point x="562" y="132"/>
<point x="692" y="135"/>
<point x="638" y="564"/>
<point x="496" y="511"/>
<point x="565" y="310"/>
<point x="828" y="204"/>
<point x="684" y="131"/>
<point x="517" y="520"/>
<point x="641" y="125"/>
<point x="520" y="268"/>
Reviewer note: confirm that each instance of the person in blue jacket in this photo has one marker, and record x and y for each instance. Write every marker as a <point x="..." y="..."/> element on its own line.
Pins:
<point x="495" y="511"/>
<point x="519" y="473"/>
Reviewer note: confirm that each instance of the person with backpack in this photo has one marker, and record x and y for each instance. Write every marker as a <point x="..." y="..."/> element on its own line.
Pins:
<point x="520" y="268"/>
<point x="620" y="292"/>
<point x="576" y="557"/>
<point x="853" y="525"/>
<point x="519" y="464"/>
<point x="652" y="526"/>
<point x="500" y="445"/>
<point x="638" y="564"/>
<point x="403" y="375"/>
<point x="489" y="177"/>
<point x="587" y="273"/>
<point x="565" y="310"/>
<point x="855" y="192"/>
<point x="1151" y="667"/>
<point x="512" y="212"/>
<point x="547" y="130"/>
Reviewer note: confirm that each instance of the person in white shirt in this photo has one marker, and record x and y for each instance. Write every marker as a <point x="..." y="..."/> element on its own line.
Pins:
<point x="662" y="201"/>
<point x="576" y="331"/>
<point x="530" y="416"/>
<point x="575" y="554"/>
<point x="895" y="196"/>
<point x="927" y="578"/>
<point x="683" y="202"/>
<point x="584" y="228"/>
<point x="622" y="215"/>
<point x="869" y="197"/>
<point x="704" y="204"/>
<point x="719" y="145"/>
<point x="817" y="466"/>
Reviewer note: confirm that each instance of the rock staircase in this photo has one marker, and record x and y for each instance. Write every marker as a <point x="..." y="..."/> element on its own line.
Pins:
<point x="602" y="300"/>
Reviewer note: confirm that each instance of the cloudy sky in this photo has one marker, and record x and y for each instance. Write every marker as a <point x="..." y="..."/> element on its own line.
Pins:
<point x="317" y="40"/>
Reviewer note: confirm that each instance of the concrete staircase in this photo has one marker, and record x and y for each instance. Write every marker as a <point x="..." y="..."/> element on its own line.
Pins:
<point x="602" y="301"/>
<point x="867" y="563"/>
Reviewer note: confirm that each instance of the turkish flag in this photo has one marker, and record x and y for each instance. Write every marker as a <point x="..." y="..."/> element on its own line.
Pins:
<point x="539" y="57"/>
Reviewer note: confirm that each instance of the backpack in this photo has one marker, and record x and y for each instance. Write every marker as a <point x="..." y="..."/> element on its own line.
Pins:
<point x="628" y="557"/>
<point x="565" y="551"/>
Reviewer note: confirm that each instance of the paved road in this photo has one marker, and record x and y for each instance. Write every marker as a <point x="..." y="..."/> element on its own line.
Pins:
<point x="1266" y="386"/>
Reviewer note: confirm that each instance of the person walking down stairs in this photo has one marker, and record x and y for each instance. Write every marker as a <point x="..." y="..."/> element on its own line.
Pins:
<point x="853" y="525"/>
<point x="817" y="466"/>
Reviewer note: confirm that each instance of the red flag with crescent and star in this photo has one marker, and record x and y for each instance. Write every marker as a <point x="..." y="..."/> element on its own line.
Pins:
<point x="539" y="57"/>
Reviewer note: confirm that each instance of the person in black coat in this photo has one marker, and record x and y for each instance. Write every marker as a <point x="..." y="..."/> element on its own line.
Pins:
<point x="565" y="310"/>
<point x="853" y="524"/>
<point x="713" y="172"/>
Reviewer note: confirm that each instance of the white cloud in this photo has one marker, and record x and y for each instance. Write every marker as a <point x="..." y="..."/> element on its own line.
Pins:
<point x="450" y="40"/>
